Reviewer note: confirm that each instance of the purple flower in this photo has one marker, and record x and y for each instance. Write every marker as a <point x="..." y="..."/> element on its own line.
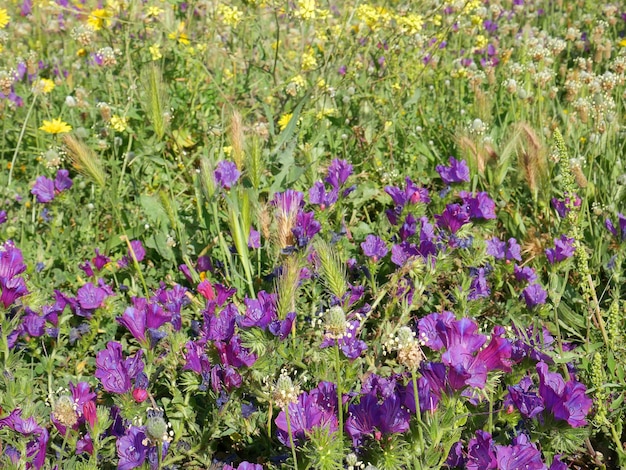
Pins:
<point x="480" y="206"/>
<point x="410" y="194"/>
<point x="317" y="408"/>
<point x="523" y="454"/>
<point x="220" y="327"/>
<point x="305" y="228"/>
<point x="496" y="248"/>
<point x="3" y="217"/>
<point x="374" y="248"/>
<point x="319" y="196"/>
<point x="338" y="173"/>
<point x="244" y="466"/>
<point x="43" y="189"/>
<point x="372" y="419"/>
<point x="479" y="287"/>
<point x="525" y="398"/>
<point x="100" y="260"/>
<point x="453" y="217"/>
<point x="525" y="273"/>
<point x="226" y="174"/>
<point x="282" y="328"/>
<point x="90" y="297"/>
<point x="563" y="207"/>
<point x="142" y="317"/>
<point x="621" y="220"/>
<point x="534" y="295"/>
<point x="567" y="401"/>
<point x="427" y="328"/>
<point x="62" y="181"/>
<point x="260" y="312"/>
<point x="288" y="202"/>
<point x="254" y="239"/>
<point x="349" y="343"/>
<point x="131" y="450"/>
<point x="457" y="172"/>
<point x="481" y="452"/>
<point x="114" y="371"/>
<point x="564" y="247"/>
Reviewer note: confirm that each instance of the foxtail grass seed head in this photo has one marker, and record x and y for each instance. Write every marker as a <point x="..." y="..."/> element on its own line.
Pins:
<point x="84" y="160"/>
<point x="285" y="391"/>
<point x="236" y="136"/>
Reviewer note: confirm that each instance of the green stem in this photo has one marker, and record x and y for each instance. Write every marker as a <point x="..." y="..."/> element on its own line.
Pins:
<point x="19" y="140"/>
<point x="418" y="411"/>
<point x="293" y="447"/>
<point x="339" y="393"/>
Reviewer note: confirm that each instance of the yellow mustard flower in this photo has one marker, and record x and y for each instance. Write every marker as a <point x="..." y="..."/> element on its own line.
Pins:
<point x="231" y="16"/>
<point x="306" y="9"/>
<point x="180" y="35"/>
<point x="153" y="12"/>
<point x="99" y="18"/>
<point x="622" y="43"/>
<point x="4" y="18"/>
<point x="56" y="126"/>
<point x="309" y="62"/>
<point x="119" y="123"/>
<point x="155" y="51"/>
<point x="284" y="121"/>
<point x="480" y="41"/>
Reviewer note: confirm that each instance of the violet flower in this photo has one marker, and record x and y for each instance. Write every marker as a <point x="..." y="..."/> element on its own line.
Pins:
<point x="114" y="371"/>
<point x="260" y="312"/>
<point x="481" y="453"/>
<point x="567" y="401"/>
<point x="319" y="196"/>
<point x="305" y="228"/>
<point x="564" y="247"/>
<point x="479" y="287"/>
<point x="521" y="454"/>
<point x="43" y="189"/>
<point x="453" y="217"/>
<point x="374" y="247"/>
<point x="12" y="286"/>
<point x="480" y="206"/>
<point x="524" y="273"/>
<point x="621" y="222"/>
<point x="534" y="295"/>
<point x="411" y="194"/>
<point x="132" y="449"/>
<point x="317" y="408"/>
<point x="457" y="172"/>
<point x="226" y="174"/>
<point x="525" y="398"/>
<point x="62" y="181"/>
<point x="338" y="173"/>
<point x="143" y="317"/>
<point x="371" y="419"/>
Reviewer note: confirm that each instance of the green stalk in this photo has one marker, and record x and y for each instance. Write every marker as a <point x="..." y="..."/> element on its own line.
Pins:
<point x="293" y="447"/>
<point x="418" y="411"/>
<point x="339" y="394"/>
<point x="21" y="136"/>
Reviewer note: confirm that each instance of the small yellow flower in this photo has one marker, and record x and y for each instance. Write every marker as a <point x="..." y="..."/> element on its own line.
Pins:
<point x="309" y="62"/>
<point x="481" y="41"/>
<point x="45" y="85"/>
<point x="306" y="9"/>
<point x="284" y="121"/>
<point x="622" y="43"/>
<point x="56" y="126"/>
<point x="155" y="51"/>
<point x="4" y="18"/>
<point x="180" y="35"/>
<point x="153" y="12"/>
<point x="98" y="18"/>
<point x="119" y="123"/>
<point x="231" y="16"/>
<point x="228" y="149"/>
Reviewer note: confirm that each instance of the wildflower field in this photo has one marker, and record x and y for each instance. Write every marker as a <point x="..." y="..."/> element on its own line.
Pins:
<point x="306" y="234"/>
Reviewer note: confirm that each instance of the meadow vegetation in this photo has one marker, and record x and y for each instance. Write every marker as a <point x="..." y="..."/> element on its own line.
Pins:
<point x="256" y="234"/>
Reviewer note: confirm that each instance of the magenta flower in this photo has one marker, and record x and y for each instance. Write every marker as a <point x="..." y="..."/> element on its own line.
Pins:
<point x="114" y="371"/>
<point x="12" y="286"/>
<point x="479" y="287"/>
<point x="319" y="196"/>
<point x="62" y="181"/>
<point x="374" y="247"/>
<point x="37" y="447"/>
<point x="411" y="194"/>
<point x="525" y="398"/>
<point x="136" y="248"/>
<point x="457" y="172"/>
<point x="481" y="453"/>
<point x="305" y="228"/>
<point x="226" y="174"/>
<point x="453" y="217"/>
<point x="564" y="247"/>
<point x="567" y="401"/>
<point x="260" y="312"/>
<point x="524" y="273"/>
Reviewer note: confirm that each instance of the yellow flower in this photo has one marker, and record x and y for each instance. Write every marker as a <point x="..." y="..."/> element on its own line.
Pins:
<point x="309" y="62"/>
<point x="306" y="9"/>
<point x="231" y="16"/>
<point x="284" y="121"/>
<point x="98" y="18"/>
<point x="119" y="123"/>
<point x="56" y="126"/>
<point x="155" y="51"/>
<point x="45" y="85"/>
<point x="4" y="18"/>
<point x="228" y="149"/>
<point x="180" y="35"/>
<point x="622" y="43"/>
<point x="153" y="12"/>
<point x="481" y="41"/>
